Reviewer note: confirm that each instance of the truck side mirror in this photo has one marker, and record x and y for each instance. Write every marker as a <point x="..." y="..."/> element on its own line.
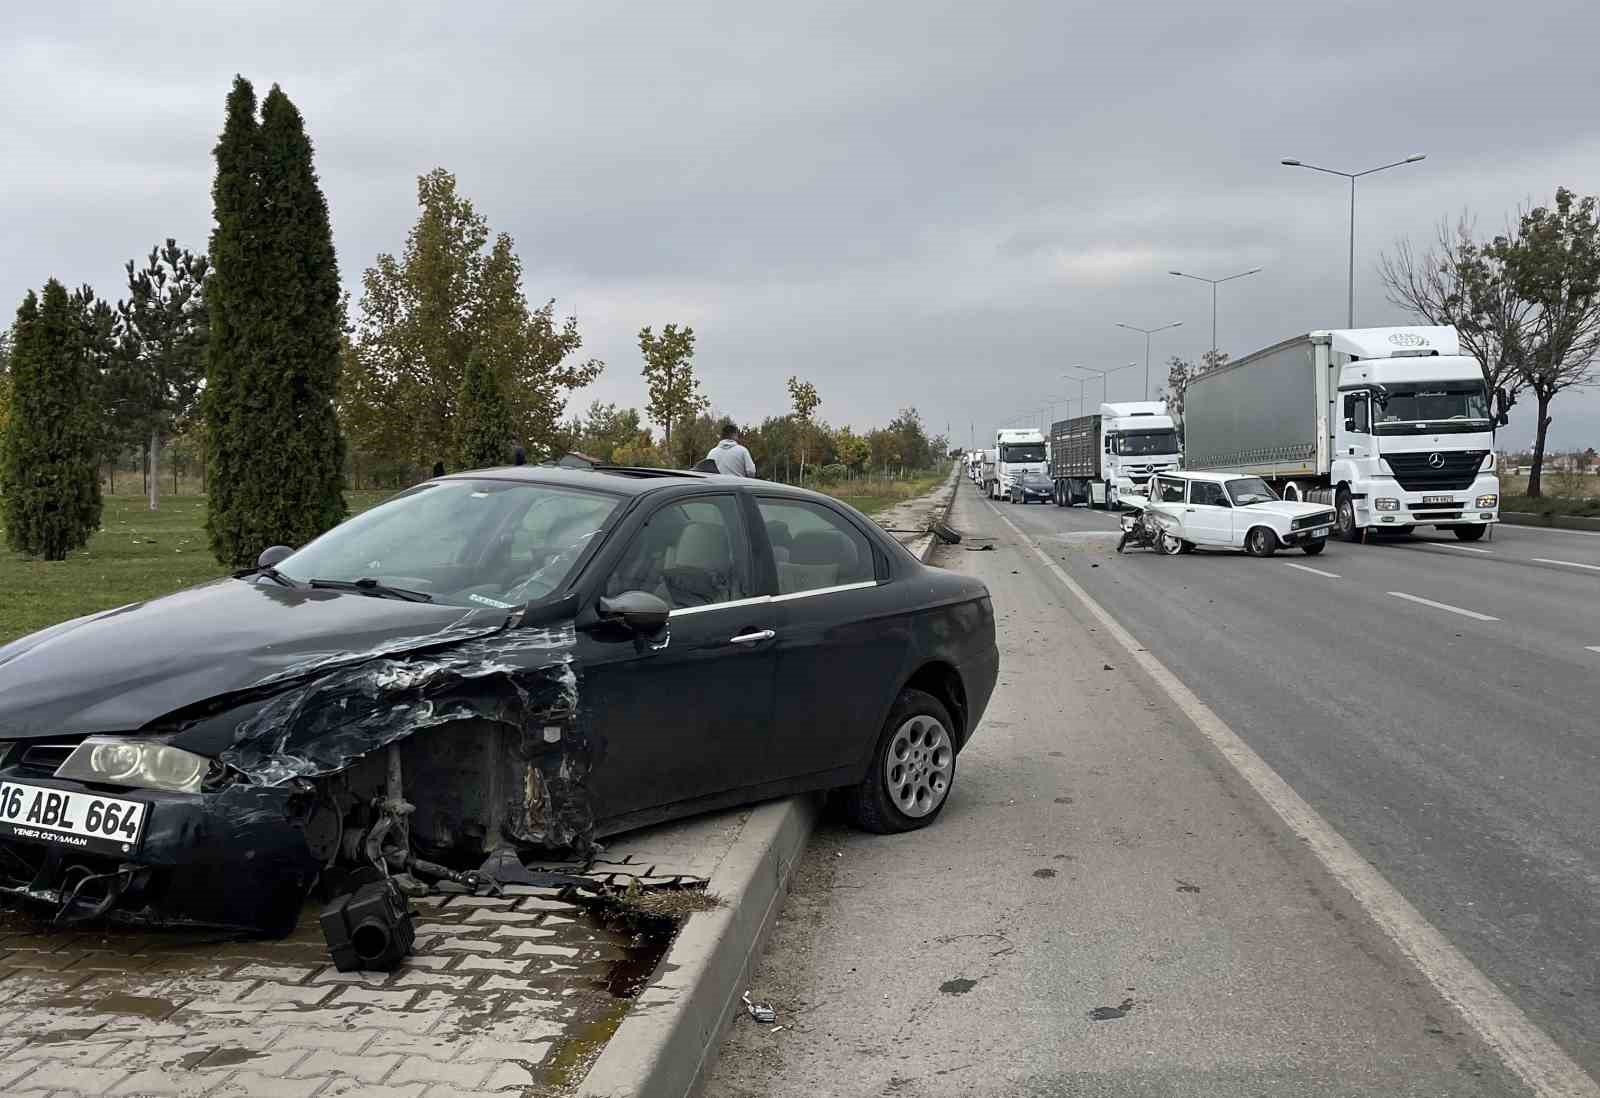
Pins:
<point x="1349" y="423"/>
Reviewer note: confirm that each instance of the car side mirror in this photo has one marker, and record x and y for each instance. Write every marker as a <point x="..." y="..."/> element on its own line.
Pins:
<point x="1503" y="420"/>
<point x="639" y="612"/>
<point x="272" y="556"/>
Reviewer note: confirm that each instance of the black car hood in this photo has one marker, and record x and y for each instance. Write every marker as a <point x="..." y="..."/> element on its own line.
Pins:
<point x="123" y="669"/>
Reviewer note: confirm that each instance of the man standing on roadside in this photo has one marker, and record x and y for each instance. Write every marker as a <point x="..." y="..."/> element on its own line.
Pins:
<point x="730" y="456"/>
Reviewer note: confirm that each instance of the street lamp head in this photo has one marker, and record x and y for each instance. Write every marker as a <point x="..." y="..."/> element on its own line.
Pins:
<point x="1253" y="271"/>
<point x="1290" y="163"/>
<point x="1414" y="157"/>
<point x="1178" y="273"/>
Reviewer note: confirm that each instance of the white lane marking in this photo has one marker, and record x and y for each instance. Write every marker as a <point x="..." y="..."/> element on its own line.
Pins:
<point x="1568" y="563"/>
<point x="1458" y="548"/>
<point x="1593" y="647"/>
<point x="1526" y="1050"/>
<point x="1313" y="571"/>
<point x="1443" y="606"/>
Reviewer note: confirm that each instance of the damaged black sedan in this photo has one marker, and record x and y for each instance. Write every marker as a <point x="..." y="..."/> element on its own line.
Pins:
<point x="485" y="670"/>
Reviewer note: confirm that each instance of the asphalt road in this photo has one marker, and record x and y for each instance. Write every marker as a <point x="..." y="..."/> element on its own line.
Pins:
<point x="1456" y="745"/>
<point x="1105" y="906"/>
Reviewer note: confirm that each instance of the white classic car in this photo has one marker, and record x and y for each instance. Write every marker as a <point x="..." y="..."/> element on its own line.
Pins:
<point x="1233" y="511"/>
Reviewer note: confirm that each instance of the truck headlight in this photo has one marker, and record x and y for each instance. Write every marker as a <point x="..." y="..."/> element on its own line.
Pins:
<point x="1487" y="501"/>
<point x="1488" y="462"/>
<point x="1383" y="503"/>
<point x="138" y="763"/>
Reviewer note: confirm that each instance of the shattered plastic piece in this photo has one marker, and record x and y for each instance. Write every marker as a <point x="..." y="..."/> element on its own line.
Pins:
<point x="761" y="1012"/>
<point x="372" y="928"/>
<point x="945" y="533"/>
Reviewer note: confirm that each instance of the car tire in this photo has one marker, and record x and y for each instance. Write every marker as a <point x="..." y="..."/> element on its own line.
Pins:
<point x="1345" y="516"/>
<point x="917" y="739"/>
<point x="1169" y="544"/>
<point x="1260" y="542"/>
<point x="1312" y="548"/>
<point x="1470" y="533"/>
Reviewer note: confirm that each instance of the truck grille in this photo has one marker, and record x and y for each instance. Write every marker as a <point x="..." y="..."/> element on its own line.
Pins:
<point x="1418" y="472"/>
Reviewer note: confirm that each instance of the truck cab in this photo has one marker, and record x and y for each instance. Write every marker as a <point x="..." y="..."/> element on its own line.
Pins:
<point x="1139" y="440"/>
<point x="1017" y="451"/>
<point x="1412" y="433"/>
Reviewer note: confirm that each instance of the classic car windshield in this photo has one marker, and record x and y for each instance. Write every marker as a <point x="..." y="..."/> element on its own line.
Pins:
<point x="1247" y="490"/>
<point x="465" y="542"/>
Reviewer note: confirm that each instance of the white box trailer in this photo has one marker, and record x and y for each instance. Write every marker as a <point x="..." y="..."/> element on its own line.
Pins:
<point x="1393" y="426"/>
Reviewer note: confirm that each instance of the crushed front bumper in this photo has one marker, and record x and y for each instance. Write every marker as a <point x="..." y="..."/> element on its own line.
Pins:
<point x="236" y="859"/>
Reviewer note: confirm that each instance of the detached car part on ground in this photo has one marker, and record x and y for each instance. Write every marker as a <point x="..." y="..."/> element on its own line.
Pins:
<point x="1231" y="511"/>
<point x="487" y="668"/>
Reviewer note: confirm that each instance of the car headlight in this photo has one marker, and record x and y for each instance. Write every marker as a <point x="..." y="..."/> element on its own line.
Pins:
<point x="137" y="763"/>
<point x="1487" y="501"/>
<point x="1385" y="504"/>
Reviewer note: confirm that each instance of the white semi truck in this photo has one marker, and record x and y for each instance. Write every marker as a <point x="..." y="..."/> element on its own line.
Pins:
<point x="1392" y="426"/>
<point x="1097" y="459"/>
<point x="1017" y="451"/>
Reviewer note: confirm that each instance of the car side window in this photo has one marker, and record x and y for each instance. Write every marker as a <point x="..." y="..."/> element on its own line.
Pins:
<point x="690" y="553"/>
<point x="814" y="547"/>
<point x="1171" y="490"/>
<point x="1205" y="493"/>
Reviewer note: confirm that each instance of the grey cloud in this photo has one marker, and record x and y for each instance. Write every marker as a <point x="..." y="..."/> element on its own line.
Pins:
<point x="937" y="204"/>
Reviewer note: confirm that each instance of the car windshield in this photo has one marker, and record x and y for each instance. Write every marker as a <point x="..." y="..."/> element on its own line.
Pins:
<point x="1148" y="442"/>
<point x="1022" y="451"/>
<point x="1248" y="490"/>
<point x="462" y="542"/>
<point x="1433" y="401"/>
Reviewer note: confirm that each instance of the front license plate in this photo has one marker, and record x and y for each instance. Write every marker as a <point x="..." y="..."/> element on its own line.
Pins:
<point x="1321" y="531"/>
<point x="83" y="821"/>
<point x="1438" y="499"/>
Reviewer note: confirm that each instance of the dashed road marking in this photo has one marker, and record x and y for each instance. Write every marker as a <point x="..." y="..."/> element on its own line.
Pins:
<point x="1314" y="571"/>
<point x="1537" y="1060"/>
<point x="1443" y="606"/>
<point x="1459" y="548"/>
<point x="1593" y="647"/>
<point x="1568" y="563"/>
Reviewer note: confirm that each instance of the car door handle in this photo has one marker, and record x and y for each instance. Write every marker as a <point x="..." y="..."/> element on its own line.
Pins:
<point x="753" y="638"/>
<point x="1189" y="509"/>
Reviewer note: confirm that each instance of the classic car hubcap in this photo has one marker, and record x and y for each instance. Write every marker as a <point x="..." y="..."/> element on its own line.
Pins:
<point x="918" y="766"/>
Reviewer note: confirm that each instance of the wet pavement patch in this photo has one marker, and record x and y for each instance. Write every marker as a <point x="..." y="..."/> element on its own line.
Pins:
<point x="959" y="986"/>
<point x="1110" y="1013"/>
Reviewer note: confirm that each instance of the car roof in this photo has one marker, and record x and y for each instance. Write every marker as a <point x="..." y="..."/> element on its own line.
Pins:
<point x="1196" y="475"/>
<point x="631" y="481"/>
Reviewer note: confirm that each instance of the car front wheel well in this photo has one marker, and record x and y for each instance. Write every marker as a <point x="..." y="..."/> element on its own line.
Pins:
<point x="943" y="682"/>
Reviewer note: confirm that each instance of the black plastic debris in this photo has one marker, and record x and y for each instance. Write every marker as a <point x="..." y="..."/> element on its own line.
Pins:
<point x="945" y="533"/>
<point x="372" y="928"/>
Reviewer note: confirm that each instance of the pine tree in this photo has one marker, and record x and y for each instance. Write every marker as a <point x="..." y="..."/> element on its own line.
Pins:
<point x="483" y="419"/>
<point x="274" y="451"/>
<point x="48" y="473"/>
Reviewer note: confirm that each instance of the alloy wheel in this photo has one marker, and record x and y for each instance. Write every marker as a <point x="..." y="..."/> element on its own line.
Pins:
<point x="918" y="766"/>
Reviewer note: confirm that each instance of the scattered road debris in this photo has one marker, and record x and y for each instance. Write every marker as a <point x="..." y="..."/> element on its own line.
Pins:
<point x="761" y="1012"/>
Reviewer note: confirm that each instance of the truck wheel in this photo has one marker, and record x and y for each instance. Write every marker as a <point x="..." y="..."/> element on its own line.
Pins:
<point x="1345" y="509"/>
<point x="1470" y="533"/>
<point x="1261" y="542"/>
<point x="1312" y="548"/>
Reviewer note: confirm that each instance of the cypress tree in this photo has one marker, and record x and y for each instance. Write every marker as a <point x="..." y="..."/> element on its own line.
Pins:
<point x="274" y="450"/>
<point x="483" y="419"/>
<point x="48" y="458"/>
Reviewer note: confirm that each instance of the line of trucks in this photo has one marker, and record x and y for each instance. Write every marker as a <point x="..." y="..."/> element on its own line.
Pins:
<point x="1393" y="427"/>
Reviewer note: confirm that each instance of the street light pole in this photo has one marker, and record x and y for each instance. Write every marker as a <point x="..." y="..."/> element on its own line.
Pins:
<point x="1215" y="282"/>
<point x="1148" y="332"/>
<point x="1352" y="177"/>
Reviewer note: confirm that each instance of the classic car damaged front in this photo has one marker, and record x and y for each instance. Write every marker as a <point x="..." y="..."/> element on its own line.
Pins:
<point x="313" y="781"/>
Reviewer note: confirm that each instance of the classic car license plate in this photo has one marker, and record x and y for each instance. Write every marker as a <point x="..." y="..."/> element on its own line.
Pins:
<point x="1321" y="531"/>
<point x="85" y="821"/>
<point x="1438" y="499"/>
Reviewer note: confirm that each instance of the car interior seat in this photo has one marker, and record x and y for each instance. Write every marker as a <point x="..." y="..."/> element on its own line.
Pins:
<point x="817" y="558"/>
<point x="701" y="569"/>
<point x="780" y="539"/>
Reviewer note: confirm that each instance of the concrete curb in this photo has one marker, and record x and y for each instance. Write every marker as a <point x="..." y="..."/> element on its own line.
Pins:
<point x="667" y="1039"/>
<point x="1558" y="522"/>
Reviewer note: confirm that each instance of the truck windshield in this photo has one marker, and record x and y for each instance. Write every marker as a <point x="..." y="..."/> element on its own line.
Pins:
<point x="1132" y="444"/>
<point x="1022" y="451"/>
<point x="1435" y="401"/>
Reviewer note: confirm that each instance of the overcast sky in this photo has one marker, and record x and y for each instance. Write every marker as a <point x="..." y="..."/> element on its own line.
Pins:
<point x="933" y="204"/>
